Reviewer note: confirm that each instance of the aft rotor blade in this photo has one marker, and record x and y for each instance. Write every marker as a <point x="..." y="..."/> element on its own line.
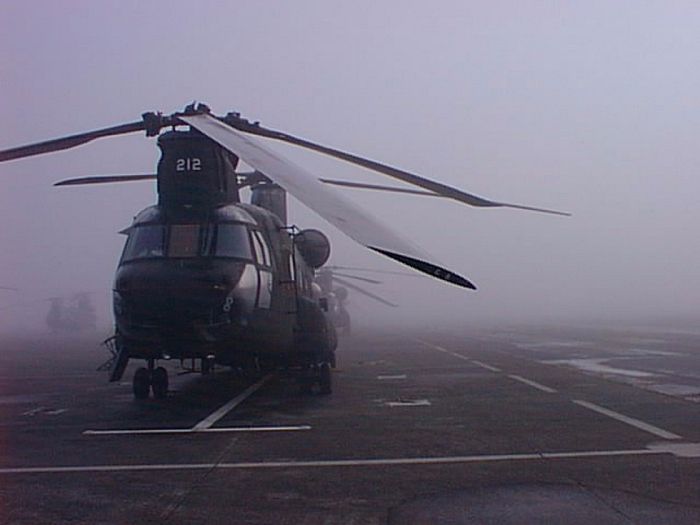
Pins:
<point x="105" y="179"/>
<point x="68" y="142"/>
<point x="310" y="191"/>
<point x="365" y="292"/>
<point x="356" y="277"/>
<point x="428" y="184"/>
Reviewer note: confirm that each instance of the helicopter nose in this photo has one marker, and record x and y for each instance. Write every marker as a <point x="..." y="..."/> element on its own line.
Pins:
<point x="180" y="301"/>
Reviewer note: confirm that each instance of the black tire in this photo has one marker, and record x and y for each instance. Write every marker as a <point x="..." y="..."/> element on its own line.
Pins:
<point x="142" y="383"/>
<point x="159" y="383"/>
<point x="325" y="383"/>
<point x="305" y="388"/>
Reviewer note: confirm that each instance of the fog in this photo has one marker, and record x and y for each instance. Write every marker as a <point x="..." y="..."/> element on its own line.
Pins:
<point x="586" y="107"/>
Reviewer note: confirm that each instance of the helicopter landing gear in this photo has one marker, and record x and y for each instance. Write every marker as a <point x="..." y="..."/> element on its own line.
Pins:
<point x="142" y="383"/>
<point x="325" y="384"/>
<point x="159" y="383"/>
<point x="146" y="379"/>
<point x="317" y="375"/>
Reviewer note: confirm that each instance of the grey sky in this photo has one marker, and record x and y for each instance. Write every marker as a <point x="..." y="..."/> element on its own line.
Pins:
<point x="589" y="107"/>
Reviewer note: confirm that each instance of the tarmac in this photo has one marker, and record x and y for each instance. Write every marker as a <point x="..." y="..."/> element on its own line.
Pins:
<point x="519" y="425"/>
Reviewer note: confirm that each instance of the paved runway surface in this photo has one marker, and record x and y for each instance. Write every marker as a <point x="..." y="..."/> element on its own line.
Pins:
<point x="548" y="425"/>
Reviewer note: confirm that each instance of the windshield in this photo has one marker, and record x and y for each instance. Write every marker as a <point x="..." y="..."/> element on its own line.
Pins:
<point x="145" y="242"/>
<point x="187" y="241"/>
<point x="184" y="240"/>
<point x="232" y="240"/>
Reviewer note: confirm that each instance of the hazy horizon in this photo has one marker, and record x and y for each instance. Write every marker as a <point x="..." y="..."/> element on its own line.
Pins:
<point x="583" y="107"/>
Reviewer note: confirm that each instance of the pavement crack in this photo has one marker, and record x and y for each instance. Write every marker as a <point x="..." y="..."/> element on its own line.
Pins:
<point x="605" y="502"/>
<point x="182" y="494"/>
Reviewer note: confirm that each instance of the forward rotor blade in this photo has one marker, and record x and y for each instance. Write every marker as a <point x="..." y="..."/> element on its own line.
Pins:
<point x="328" y="204"/>
<point x="358" y="269"/>
<point x="104" y="179"/>
<point x="356" y="277"/>
<point x="365" y="292"/>
<point x="68" y="142"/>
<point x="410" y="178"/>
<point x="347" y="184"/>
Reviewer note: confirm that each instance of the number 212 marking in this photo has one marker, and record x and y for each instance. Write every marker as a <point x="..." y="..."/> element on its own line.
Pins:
<point x="188" y="164"/>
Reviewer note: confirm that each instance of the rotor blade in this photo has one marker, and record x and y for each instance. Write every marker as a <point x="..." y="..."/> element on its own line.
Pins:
<point x="365" y="292"/>
<point x="428" y="184"/>
<point x="68" y="142"/>
<point x="103" y="179"/>
<point x="365" y="279"/>
<point x="357" y="269"/>
<point x="328" y="204"/>
<point x="347" y="184"/>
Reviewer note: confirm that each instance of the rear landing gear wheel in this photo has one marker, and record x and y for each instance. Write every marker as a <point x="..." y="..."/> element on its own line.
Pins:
<point x="325" y="384"/>
<point x="159" y="383"/>
<point x="142" y="383"/>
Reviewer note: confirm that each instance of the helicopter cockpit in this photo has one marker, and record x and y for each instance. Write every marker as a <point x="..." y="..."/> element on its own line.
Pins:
<point x="187" y="241"/>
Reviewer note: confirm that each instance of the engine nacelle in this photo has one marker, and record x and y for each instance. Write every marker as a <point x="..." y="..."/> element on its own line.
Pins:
<point x="314" y="247"/>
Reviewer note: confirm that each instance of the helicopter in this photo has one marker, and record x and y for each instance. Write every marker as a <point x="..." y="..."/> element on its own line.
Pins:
<point x="71" y="314"/>
<point x="334" y="287"/>
<point x="207" y="278"/>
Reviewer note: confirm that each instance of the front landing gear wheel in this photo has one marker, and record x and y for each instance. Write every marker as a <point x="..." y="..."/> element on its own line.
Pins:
<point x="325" y="384"/>
<point x="142" y="383"/>
<point x="159" y="383"/>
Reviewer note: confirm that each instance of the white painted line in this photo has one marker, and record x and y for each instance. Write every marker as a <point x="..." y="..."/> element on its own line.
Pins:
<point x="221" y="412"/>
<point x="342" y="462"/>
<point x="142" y="431"/>
<point x="56" y="412"/>
<point x="533" y="384"/>
<point x="681" y="450"/>
<point x="484" y="365"/>
<point x="289" y="428"/>
<point x="147" y="431"/>
<point x="383" y="378"/>
<point x="440" y="349"/>
<point x="33" y="411"/>
<point x="459" y="356"/>
<point x="660" y="432"/>
<point x="409" y="403"/>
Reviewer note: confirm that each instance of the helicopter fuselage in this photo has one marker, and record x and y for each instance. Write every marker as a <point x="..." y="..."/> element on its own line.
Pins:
<point x="224" y="284"/>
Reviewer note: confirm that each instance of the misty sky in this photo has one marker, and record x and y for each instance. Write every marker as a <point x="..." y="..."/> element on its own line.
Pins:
<point x="588" y="107"/>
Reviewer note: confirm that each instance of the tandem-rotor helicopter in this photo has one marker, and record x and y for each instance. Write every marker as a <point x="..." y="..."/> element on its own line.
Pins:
<point x="207" y="278"/>
<point x="334" y="282"/>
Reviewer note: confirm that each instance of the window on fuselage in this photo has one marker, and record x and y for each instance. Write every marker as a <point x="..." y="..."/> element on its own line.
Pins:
<point x="232" y="240"/>
<point x="184" y="240"/>
<point x="262" y="250"/>
<point x="145" y="242"/>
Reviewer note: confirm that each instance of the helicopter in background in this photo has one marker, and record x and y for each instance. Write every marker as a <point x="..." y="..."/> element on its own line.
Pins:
<point x="71" y="314"/>
<point x="206" y="277"/>
<point x="334" y="287"/>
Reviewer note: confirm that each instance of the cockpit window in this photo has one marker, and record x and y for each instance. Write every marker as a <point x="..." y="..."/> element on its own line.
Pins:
<point x="232" y="241"/>
<point x="178" y="241"/>
<point x="184" y="240"/>
<point x="145" y="242"/>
